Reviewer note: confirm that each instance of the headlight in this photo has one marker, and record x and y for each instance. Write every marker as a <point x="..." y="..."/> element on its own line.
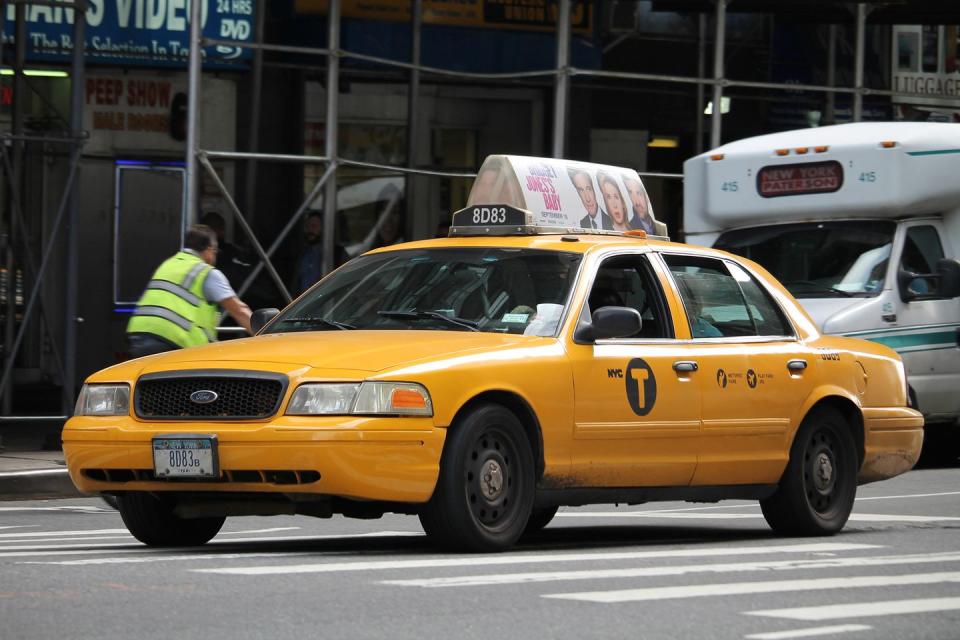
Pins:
<point x="103" y="400"/>
<point x="367" y="398"/>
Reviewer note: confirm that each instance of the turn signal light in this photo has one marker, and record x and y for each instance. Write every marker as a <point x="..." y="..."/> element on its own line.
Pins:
<point x="783" y="152"/>
<point x="717" y="156"/>
<point x="888" y="144"/>
<point x="407" y="399"/>
<point x="635" y="233"/>
<point x="802" y="150"/>
<point x="822" y="148"/>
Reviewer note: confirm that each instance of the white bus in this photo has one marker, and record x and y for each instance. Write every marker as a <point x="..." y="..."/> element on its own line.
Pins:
<point x="861" y="222"/>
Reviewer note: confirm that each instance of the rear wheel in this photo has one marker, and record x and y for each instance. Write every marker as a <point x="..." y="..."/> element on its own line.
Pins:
<point x="151" y="520"/>
<point x="484" y="493"/>
<point x="817" y="490"/>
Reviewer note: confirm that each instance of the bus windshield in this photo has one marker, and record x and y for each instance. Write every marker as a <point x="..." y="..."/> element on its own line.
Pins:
<point x="819" y="259"/>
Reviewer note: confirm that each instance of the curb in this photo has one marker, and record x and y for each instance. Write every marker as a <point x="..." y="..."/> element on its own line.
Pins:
<point x="37" y="484"/>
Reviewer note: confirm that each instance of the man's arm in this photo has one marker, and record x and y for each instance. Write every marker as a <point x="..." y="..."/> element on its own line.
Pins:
<point x="239" y="311"/>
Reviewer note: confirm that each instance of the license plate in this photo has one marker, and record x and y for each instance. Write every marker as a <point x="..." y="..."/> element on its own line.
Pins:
<point x="185" y="457"/>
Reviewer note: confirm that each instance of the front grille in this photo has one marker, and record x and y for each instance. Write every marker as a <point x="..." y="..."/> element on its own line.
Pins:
<point x="239" y="395"/>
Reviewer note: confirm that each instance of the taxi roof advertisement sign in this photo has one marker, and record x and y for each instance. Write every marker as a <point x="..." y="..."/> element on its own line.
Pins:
<point x="561" y="193"/>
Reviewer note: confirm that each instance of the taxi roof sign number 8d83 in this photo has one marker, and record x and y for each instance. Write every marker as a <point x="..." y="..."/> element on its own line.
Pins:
<point x="559" y="195"/>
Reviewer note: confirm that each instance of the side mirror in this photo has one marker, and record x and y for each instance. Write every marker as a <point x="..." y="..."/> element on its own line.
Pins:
<point x="945" y="283"/>
<point x="261" y="317"/>
<point x="610" y="322"/>
<point x="949" y="271"/>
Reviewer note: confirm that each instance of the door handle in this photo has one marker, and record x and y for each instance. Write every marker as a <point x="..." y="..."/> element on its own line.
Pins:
<point x="796" y="365"/>
<point x="685" y="366"/>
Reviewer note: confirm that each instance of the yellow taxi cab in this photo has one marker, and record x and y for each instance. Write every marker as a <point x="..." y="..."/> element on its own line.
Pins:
<point x="535" y="358"/>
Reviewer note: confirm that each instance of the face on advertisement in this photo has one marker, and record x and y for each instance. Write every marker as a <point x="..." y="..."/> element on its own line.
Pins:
<point x="616" y="207"/>
<point x="584" y="185"/>
<point x="638" y="197"/>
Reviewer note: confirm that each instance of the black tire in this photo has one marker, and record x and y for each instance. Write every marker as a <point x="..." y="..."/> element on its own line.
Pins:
<point x="818" y="487"/>
<point x="151" y="520"/>
<point x="539" y="518"/>
<point x="484" y="493"/>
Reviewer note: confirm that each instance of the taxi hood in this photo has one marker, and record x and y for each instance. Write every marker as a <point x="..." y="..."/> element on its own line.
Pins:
<point x="361" y="351"/>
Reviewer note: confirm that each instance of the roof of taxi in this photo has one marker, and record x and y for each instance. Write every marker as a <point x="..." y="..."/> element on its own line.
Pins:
<point x="579" y="242"/>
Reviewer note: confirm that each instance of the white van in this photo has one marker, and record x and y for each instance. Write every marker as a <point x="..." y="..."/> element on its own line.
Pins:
<point x="861" y="222"/>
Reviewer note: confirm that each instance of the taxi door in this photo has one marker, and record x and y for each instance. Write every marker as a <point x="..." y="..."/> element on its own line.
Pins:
<point x="637" y="411"/>
<point x="754" y="371"/>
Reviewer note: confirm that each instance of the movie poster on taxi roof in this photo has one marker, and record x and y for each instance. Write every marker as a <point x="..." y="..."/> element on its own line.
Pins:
<point x="569" y="194"/>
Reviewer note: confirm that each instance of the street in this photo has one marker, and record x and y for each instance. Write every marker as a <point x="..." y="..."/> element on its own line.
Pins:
<point x="660" y="570"/>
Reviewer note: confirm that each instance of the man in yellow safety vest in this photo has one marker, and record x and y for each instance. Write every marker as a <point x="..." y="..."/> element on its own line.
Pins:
<point x="178" y="309"/>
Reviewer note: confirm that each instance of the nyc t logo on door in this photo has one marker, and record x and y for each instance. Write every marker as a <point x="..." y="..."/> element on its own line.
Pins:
<point x="641" y="386"/>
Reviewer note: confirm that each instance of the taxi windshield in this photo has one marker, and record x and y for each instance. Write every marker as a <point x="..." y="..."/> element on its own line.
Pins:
<point x="521" y="291"/>
<point x="819" y="259"/>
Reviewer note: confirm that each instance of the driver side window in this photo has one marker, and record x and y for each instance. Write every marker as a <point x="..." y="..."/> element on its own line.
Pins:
<point x="921" y="252"/>
<point x="627" y="281"/>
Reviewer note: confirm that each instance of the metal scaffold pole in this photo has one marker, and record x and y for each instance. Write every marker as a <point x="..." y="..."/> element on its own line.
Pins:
<point x="562" y="85"/>
<point x="858" y="62"/>
<point x="193" y="110"/>
<point x="333" y="98"/>
<point x="73" y="215"/>
<point x="718" y="71"/>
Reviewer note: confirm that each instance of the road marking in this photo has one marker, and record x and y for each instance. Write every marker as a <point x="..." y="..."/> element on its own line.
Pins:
<point x="34" y="472"/>
<point x="809" y="633"/>
<point x="673" y="515"/>
<point x="643" y="572"/>
<point x="249" y="531"/>
<point x="884" y="517"/>
<point x="534" y="558"/>
<point x="912" y="495"/>
<point x="862" y="609"/>
<point x="741" y="588"/>
<point x="74" y="508"/>
<point x="59" y="550"/>
<point x="89" y="532"/>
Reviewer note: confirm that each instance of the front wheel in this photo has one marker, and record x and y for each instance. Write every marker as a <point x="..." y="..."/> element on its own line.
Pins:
<point x="817" y="490"/>
<point x="151" y="520"/>
<point x="484" y="493"/>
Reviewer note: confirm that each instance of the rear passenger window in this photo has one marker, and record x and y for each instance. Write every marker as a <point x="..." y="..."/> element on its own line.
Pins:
<point x="723" y="300"/>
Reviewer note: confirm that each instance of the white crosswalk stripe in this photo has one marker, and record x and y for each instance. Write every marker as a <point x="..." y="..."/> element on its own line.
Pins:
<point x="810" y="632"/>
<point x="646" y="572"/>
<point x="531" y="558"/>
<point x="770" y="586"/>
<point x="863" y="609"/>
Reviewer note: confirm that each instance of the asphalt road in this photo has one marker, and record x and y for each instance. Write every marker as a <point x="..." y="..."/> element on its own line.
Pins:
<point x="68" y="569"/>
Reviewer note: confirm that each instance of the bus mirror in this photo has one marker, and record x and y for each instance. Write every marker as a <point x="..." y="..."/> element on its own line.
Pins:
<point x="905" y="282"/>
<point x="949" y="271"/>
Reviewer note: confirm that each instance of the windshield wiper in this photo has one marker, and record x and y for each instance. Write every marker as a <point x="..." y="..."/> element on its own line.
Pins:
<point x="323" y="321"/>
<point x="413" y="314"/>
<point x="818" y="287"/>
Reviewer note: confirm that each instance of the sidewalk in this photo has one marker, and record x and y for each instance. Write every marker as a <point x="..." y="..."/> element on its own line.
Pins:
<point x="31" y="464"/>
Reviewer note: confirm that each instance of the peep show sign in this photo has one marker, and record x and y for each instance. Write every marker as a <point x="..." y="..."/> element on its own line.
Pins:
<point x="136" y="32"/>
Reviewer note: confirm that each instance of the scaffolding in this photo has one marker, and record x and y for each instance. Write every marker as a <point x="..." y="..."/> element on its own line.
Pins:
<point x="198" y="159"/>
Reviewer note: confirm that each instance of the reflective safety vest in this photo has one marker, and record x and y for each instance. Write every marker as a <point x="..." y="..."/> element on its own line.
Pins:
<point x="173" y="307"/>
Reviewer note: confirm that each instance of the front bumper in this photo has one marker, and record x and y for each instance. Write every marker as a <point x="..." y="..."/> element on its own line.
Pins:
<point x="893" y="437"/>
<point x="383" y="458"/>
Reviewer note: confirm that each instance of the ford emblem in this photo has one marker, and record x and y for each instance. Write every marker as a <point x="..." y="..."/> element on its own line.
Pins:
<point x="204" y="396"/>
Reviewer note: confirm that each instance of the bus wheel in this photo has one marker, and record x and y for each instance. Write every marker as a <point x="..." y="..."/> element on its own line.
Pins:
<point x="817" y="490"/>
<point x="484" y="493"/>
